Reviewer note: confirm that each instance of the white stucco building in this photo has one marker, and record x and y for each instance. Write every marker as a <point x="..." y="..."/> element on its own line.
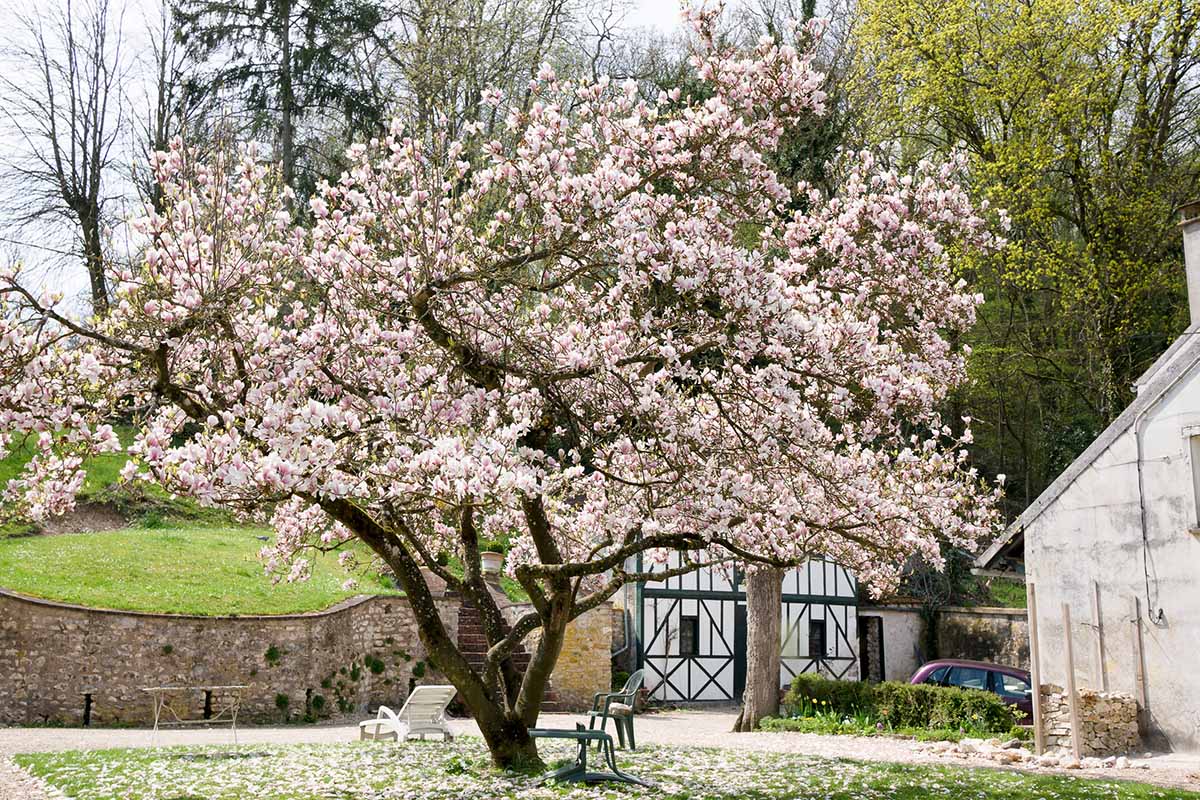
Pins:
<point x="1117" y="538"/>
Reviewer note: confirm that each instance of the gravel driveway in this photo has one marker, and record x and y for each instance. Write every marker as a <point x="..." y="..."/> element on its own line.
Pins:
<point x="695" y="728"/>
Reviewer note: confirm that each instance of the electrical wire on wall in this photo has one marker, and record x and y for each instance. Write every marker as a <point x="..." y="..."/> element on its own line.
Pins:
<point x="1155" y="612"/>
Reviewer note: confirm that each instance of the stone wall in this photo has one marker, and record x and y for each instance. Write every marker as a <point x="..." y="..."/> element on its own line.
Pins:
<point x="998" y="635"/>
<point x="1107" y="721"/>
<point x="54" y="656"/>
<point x="60" y="662"/>
<point x="585" y="665"/>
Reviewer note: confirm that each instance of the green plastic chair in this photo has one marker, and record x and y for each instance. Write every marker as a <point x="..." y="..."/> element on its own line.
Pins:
<point x="617" y="706"/>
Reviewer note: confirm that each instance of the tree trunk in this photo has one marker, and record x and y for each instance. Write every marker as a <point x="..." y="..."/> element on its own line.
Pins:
<point x="541" y="666"/>
<point x="93" y="256"/>
<point x="504" y="727"/>
<point x="510" y="744"/>
<point x="764" y="595"/>
<point x="287" y="96"/>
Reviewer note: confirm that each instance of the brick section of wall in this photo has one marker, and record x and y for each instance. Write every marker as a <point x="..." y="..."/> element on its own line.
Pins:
<point x="362" y="652"/>
<point x="1107" y="721"/>
<point x="472" y="643"/>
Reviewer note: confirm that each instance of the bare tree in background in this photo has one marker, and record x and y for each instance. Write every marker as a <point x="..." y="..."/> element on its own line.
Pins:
<point x="175" y="104"/>
<point x="64" y="107"/>
<point x="442" y="54"/>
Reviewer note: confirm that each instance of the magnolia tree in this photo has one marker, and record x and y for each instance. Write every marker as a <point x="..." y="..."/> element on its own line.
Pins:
<point x="607" y="335"/>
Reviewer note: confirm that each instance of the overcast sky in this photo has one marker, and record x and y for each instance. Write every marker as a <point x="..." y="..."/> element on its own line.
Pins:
<point x="660" y="14"/>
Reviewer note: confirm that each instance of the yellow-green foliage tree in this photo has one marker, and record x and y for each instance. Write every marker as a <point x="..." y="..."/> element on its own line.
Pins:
<point x="1082" y="118"/>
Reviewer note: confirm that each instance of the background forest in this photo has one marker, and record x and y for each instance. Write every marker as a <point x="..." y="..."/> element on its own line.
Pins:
<point x="1080" y="118"/>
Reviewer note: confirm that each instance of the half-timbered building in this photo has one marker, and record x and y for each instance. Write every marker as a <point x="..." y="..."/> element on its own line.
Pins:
<point x="691" y="630"/>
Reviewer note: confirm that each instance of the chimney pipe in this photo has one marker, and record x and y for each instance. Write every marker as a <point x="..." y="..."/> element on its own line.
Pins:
<point x="1189" y="221"/>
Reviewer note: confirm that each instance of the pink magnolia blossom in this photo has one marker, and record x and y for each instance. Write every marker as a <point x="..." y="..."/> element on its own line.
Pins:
<point x="605" y="334"/>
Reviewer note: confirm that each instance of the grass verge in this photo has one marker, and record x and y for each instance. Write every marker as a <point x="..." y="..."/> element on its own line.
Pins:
<point x="460" y="770"/>
<point x="862" y="725"/>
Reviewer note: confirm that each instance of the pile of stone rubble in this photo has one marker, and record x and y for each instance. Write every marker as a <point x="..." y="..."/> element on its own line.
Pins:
<point x="1014" y="752"/>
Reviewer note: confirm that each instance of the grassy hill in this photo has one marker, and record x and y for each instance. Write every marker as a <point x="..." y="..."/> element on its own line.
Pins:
<point x="178" y="569"/>
<point x="147" y="505"/>
<point x="172" y="556"/>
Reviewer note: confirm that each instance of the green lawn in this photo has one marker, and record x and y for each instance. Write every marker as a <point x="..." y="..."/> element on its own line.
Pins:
<point x="185" y="570"/>
<point x="460" y="770"/>
<point x="175" y="557"/>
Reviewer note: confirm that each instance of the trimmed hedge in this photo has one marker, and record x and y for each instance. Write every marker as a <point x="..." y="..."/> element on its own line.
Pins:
<point x="904" y="705"/>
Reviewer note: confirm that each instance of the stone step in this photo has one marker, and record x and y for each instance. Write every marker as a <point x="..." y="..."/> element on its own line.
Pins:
<point x="477" y="659"/>
<point x="472" y="643"/>
<point x="471" y="639"/>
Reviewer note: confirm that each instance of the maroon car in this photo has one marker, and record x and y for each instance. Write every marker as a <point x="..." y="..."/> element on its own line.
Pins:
<point x="1012" y="684"/>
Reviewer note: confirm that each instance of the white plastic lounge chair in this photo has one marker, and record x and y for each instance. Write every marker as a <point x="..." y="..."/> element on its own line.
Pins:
<point x="424" y="712"/>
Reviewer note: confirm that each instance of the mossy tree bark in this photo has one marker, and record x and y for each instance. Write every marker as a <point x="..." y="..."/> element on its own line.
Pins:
<point x="764" y="595"/>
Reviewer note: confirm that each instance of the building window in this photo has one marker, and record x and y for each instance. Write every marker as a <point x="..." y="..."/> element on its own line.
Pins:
<point x="1194" y="442"/>
<point x="689" y="636"/>
<point x="816" y="638"/>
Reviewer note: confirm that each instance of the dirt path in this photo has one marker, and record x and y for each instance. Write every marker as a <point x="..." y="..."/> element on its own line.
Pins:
<point x="694" y="728"/>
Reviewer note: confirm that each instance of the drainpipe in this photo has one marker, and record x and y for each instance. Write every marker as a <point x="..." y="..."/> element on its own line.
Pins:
<point x="1189" y="222"/>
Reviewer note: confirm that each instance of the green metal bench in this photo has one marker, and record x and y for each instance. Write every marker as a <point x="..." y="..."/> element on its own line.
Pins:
<point x="578" y="771"/>
<point x="618" y="706"/>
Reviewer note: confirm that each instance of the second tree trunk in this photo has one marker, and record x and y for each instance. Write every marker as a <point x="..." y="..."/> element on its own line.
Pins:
<point x="764" y="595"/>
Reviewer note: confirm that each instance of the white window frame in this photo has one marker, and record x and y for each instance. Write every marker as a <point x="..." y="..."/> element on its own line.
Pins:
<point x="1191" y="444"/>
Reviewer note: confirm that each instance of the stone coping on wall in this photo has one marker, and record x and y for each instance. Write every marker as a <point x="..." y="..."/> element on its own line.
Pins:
<point x="981" y="610"/>
<point x="349" y="602"/>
